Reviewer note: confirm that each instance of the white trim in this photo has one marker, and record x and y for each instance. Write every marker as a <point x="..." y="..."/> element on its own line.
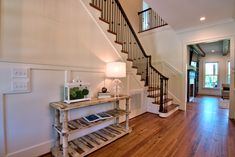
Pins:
<point x="228" y="61"/>
<point x="228" y="20"/>
<point x="185" y="54"/>
<point x="34" y="66"/>
<point x="33" y="151"/>
<point x="156" y="30"/>
<point x="164" y="115"/>
<point x="204" y="74"/>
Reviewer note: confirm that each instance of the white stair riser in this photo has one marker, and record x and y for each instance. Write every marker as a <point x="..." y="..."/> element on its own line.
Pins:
<point x="164" y="115"/>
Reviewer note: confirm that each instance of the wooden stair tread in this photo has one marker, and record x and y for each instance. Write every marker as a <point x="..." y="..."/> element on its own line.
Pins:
<point x="95" y="7"/>
<point x="118" y="42"/>
<point x="112" y="32"/>
<point x="155" y="95"/>
<point x="104" y="20"/>
<point x="153" y="89"/>
<point x="123" y="51"/>
<point x="164" y="101"/>
<point x="171" y="107"/>
<point x="129" y="59"/>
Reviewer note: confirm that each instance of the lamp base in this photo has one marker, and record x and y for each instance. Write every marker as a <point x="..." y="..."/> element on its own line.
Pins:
<point x="117" y="87"/>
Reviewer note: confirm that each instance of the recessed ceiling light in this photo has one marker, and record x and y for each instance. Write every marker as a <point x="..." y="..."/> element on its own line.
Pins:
<point x="203" y="18"/>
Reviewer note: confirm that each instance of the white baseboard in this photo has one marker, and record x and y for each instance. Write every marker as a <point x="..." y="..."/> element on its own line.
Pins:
<point x="33" y="151"/>
<point x="164" y="115"/>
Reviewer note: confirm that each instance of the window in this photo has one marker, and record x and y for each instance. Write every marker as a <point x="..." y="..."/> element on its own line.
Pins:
<point x="211" y="75"/>
<point x="228" y="72"/>
<point x="145" y="5"/>
<point x="194" y="64"/>
<point x="145" y="17"/>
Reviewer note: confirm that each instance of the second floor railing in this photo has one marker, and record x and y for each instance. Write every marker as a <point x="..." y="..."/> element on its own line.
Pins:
<point x="149" y="19"/>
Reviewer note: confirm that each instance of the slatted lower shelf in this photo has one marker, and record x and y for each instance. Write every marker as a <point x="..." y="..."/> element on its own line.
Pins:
<point x="81" y="123"/>
<point x="89" y="143"/>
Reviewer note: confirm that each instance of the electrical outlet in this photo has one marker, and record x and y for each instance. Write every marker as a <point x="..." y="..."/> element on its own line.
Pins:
<point x="20" y="86"/>
<point x="20" y="72"/>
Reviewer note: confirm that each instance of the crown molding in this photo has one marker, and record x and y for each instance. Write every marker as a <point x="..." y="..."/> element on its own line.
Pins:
<point x="190" y="29"/>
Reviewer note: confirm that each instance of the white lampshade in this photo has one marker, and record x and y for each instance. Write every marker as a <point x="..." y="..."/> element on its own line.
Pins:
<point x="116" y="69"/>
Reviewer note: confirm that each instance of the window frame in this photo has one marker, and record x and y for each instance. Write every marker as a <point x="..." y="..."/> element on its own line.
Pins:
<point x="204" y="75"/>
<point x="228" y="61"/>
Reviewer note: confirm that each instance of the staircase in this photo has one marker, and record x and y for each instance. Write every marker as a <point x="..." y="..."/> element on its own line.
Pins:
<point x="113" y="14"/>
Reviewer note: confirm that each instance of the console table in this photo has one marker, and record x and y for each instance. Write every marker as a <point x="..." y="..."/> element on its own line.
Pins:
<point x="87" y="144"/>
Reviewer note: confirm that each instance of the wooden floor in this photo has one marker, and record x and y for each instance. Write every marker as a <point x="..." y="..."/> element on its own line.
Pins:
<point x="203" y="131"/>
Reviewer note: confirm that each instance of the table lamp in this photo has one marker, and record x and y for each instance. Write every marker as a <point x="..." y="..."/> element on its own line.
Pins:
<point x="116" y="70"/>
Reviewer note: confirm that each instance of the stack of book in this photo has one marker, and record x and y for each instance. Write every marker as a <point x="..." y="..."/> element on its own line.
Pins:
<point x="104" y="95"/>
<point x="97" y="117"/>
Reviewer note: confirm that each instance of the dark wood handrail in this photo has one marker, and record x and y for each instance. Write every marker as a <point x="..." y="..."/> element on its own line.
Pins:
<point x="137" y="39"/>
<point x="144" y="11"/>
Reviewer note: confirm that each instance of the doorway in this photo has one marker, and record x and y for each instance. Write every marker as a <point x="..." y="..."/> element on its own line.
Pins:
<point x="209" y="70"/>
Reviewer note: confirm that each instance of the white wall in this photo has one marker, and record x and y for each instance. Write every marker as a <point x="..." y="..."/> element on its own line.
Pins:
<point x="222" y="62"/>
<point x="131" y="8"/>
<point x="43" y="31"/>
<point x="49" y="37"/>
<point x="164" y="45"/>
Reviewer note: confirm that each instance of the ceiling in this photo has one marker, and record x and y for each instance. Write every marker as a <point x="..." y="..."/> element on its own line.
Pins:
<point x="212" y="48"/>
<point x="216" y="48"/>
<point x="183" y="14"/>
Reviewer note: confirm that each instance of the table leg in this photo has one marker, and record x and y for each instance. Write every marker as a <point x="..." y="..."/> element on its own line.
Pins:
<point x="117" y="107"/>
<point x="127" y="114"/>
<point x="65" y="133"/>
<point x="57" y="123"/>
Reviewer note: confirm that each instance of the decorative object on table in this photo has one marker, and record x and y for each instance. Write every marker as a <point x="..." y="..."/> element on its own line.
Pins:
<point x="104" y="90"/>
<point x="116" y="70"/>
<point x="96" y="117"/>
<point x="92" y="118"/>
<point x="104" y="95"/>
<point x="76" y="91"/>
<point x="104" y="115"/>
